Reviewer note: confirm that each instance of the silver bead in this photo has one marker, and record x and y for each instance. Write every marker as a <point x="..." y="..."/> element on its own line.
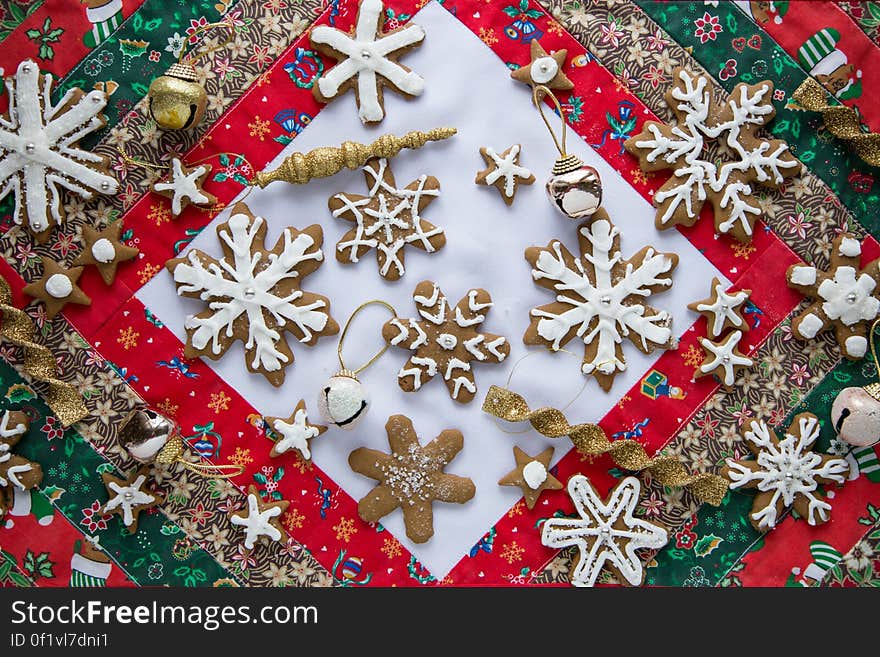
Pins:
<point x="105" y="185"/>
<point x="30" y="148"/>
<point x="606" y="300"/>
<point x="366" y="54"/>
<point x="725" y="359"/>
<point x="725" y="308"/>
<point x="851" y="297"/>
<point x="129" y="496"/>
<point x="26" y="68"/>
<point x="249" y="293"/>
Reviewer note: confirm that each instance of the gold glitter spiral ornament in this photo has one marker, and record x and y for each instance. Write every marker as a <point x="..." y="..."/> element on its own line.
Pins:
<point x="300" y="168"/>
<point x="590" y="439"/>
<point x="841" y="121"/>
<point x="39" y="363"/>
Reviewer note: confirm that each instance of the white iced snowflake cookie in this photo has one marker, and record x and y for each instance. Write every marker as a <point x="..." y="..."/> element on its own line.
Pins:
<point x="600" y="298"/>
<point x="184" y="186"/>
<point x="260" y="519"/>
<point x="504" y="171"/>
<point x="723" y="359"/>
<point x="293" y="432"/>
<point x="729" y="186"/>
<point x="128" y="497"/>
<point x="722" y="310"/>
<point x="606" y="534"/>
<point x="367" y="59"/>
<point x="254" y="294"/>
<point x="786" y="472"/>
<point x="845" y="297"/>
<point x="39" y="148"/>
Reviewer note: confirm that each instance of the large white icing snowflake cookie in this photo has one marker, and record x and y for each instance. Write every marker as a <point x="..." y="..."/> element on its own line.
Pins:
<point x="387" y="219"/>
<point x="787" y="473"/>
<point x="367" y="60"/>
<point x="600" y="298"/>
<point x="696" y="178"/>
<point x="606" y="534"/>
<point x="845" y="297"/>
<point x="39" y="148"/>
<point x="253" y="294"/>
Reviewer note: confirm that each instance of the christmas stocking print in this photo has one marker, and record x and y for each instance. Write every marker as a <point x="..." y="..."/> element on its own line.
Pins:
<point x="89" y="567"/>
<point x="105" y="16"/>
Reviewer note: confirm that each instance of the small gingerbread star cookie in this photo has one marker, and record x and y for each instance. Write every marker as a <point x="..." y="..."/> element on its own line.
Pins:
<point x="544" y="69"/>
<point x="185" y="186"/>
<point x="504" y="172"/>
<point x="722" y="310"/>
<point x="294" y="433"/>
<point x="128" y="497"/>
<point x="57" y="287"/>
<point x="259" y="519"/>
<point x="723" y="359"/>
<point x="532" y="475"/>
<point x="105" y="250"/>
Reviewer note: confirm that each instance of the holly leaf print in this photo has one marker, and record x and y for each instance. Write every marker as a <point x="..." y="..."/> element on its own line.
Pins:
<point x="707" y="544"/>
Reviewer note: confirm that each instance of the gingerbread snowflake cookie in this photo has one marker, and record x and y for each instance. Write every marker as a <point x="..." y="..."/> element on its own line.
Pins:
<point x="786" y="472"/>
<point x="294" y="432"/>
<point x="39" y="148"/>
<point x="607" y="534"/>
<point x="845" y="297"/>
<point x="105" y="250"/>
<point x="17" y="474"/>
<point x="260" y="521"/>
<point x="57" y="287"/>
<point x="727" y="185"/>
<point x="387" y="219"/>
<point x="532" y="475"/>
<point x="504" y="172"/>
<point x="723" y="359"/>
<point x="129" y="497"/>
<point x="445" y="341"/>
<point x="367" y="59"/>
<point x="184" y="186"/>
<point x="600" y="298"/>
<point x="722" y="310"/>
<point x="411" y="477"/>
<point x="253" y="294"/>
<point x="544" y="69"/>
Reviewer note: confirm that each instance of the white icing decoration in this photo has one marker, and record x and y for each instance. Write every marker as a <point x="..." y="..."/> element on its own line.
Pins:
<point x="366" y="59"/>
<point x="380" y="233"/>
<point x="462" y="382"/>
<point x="5" y="452"/>
<point x="534" y="474"/>
<point x="697" y="174"/>
<point x="596" y="535"/>
<point x="612" y="304"/>
<point x="543" y="69"/>
<point x="183" y="186"/>
<point x="723" y="310"/>
<point x="5" y="431"/>
<point x="724" y="357"/>
<point x="295" y="436"/>
<point x="436" y="300"/>
<point x="507" y="168"/>
<point x="848" y="298"/>
<point x="810" y="325"/>
<point x="803" y="275"/>
<point x="789" y="469"/>
<point x="448" y="341"/>
<point x="128" y="497"/>
<point x="38" y="152"/>
<point x="103" y="251"/>
<point x="850" y="247"/>
<point x="228" y="286"/>
<point x="856" y="346"/>
<point x="59" y="286"/>
<point x="257" y="523"/>
<point x="415" y="372"/>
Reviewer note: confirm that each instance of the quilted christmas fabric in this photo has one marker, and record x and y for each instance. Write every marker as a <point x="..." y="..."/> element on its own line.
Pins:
<point x="194" y="384"/>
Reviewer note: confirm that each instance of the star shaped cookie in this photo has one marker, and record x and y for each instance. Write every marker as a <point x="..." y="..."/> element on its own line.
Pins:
<point x="259" y="519"/>
<point x="411" y="477"/>
<point x="105" y="250"/>
<point x="185" y="186"/>
<point x="532" y="475"/>
<point x="504" y="172"/>
<point x="57" y="287"/>
<point x="723" y="359"/>
<point x="128" y="497"/>
<point x="722" y="310"/>
<point x="544" y="69"/>
<point x="294" y="433"/>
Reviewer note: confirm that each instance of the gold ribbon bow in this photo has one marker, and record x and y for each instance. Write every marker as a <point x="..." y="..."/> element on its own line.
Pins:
<point x="841" y="121"/>
<point x="591" y="440"/>
<point x="39" y="363"/>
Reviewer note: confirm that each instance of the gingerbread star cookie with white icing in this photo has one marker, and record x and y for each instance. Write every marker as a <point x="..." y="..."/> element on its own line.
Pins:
<point x="105" y="250"/>
<point x="722" y="310"/>
<point x="504" y="172"/>
<point x="129" y="497"/>
<point x="723" y="359"/>
<point x="260" y="520"/>
<point x="184" y="186"/>
<point x="544" y="69"/>
<point x="411" y="477"/>
<point x="845" y="297"/>
<point x="532" y="475"/>
<point x="294" y="432"/>
<point x="57" y="287"/>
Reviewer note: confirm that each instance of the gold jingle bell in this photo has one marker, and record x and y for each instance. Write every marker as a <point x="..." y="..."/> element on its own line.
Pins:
<point x="574" y="188"/>
<point x="176" y="100"/>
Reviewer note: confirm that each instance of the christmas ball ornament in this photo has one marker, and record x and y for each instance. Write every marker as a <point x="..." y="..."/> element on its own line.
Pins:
<point x="176" y="100"/>
<point x="855" y="415"/>
<point x="574" y="188"/>
<point x="343" y="400"/>
<point x="145" y="433"/>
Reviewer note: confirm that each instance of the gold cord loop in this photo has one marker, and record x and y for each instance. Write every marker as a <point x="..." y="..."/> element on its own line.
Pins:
<point x="342" y="335"/>
<point x="201" y="30"/>
<point x="560" y="144"/>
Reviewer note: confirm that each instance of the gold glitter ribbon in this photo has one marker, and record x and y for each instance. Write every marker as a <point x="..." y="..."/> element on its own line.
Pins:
<point x="591" y="440"/>
<point x="300" y="168"/>
<point x="39" y="363"/>
<point x="841" y="121"/>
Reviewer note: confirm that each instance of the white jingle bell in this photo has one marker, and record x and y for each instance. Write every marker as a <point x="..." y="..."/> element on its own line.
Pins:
<point x="343" y="400"/>
<point x="855" y="415"/>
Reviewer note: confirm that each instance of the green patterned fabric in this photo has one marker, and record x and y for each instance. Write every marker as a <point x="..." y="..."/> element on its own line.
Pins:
<point x="13" y="14"/>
